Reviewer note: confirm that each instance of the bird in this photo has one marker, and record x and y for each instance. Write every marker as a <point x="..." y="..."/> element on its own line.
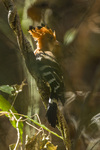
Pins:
<point x="49" y="68"/>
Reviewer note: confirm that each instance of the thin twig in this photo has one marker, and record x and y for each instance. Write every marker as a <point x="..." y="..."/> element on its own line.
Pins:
<point x="17" y="91"/>
<point x="17" y="128"/>
<point x="33" y="126"/>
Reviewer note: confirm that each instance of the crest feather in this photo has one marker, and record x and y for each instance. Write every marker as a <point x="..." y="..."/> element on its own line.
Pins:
<point x="41" y="31"/>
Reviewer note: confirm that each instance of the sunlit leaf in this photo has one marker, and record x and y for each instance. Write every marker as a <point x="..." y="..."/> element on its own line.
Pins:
<point x="46" y="143"/>
<point x="11" y="146"/>
<point x="7" y="89"/>
<point x="70" y="36"/>
<point x="50" y="146"/>
<point x="6" y="106"/>
<point x="40" y="141"/>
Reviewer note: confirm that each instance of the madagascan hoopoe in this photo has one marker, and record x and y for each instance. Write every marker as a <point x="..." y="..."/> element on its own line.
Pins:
<point x="49" y="68"/>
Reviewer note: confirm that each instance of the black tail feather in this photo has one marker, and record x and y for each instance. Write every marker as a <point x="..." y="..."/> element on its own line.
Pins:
<point x="52" y="114"/>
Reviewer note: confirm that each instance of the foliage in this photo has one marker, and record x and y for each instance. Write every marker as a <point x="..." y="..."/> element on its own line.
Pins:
<point x="9" y="110"/>
<point x="7" y="89"/>
<point x="17" y="121"/>
<point x="40" y="141"/>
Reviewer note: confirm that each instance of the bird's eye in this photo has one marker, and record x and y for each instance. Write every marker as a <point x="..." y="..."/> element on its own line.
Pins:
<point x="51" y="38"/>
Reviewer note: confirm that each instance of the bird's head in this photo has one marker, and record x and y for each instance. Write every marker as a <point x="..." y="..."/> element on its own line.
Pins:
<point x="45" y="37"/>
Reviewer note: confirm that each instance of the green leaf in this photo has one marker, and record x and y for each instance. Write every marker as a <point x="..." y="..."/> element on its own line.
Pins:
<point x="70" y="36"/>
<point x="7" y="89"/>
<point x="6" y="106"/>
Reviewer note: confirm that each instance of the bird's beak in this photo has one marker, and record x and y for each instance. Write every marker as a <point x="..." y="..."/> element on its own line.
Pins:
<point x="57" y="43"/>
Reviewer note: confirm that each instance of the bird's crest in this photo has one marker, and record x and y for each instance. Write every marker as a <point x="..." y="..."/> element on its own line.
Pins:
<point x="41" y="31"/>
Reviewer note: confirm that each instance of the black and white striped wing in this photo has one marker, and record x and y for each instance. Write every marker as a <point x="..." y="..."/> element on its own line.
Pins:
<point x="51" y="73"/>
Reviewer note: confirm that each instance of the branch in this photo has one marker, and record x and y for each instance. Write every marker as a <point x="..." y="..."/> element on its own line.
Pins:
<point x="26" y="51"/>
<point x="24" y="45"/>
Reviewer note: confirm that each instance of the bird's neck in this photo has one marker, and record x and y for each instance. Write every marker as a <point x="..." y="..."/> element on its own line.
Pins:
<point x="44" y="45"/>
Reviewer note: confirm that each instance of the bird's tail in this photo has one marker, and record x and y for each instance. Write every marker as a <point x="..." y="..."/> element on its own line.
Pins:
<point x="52" y="113"/>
